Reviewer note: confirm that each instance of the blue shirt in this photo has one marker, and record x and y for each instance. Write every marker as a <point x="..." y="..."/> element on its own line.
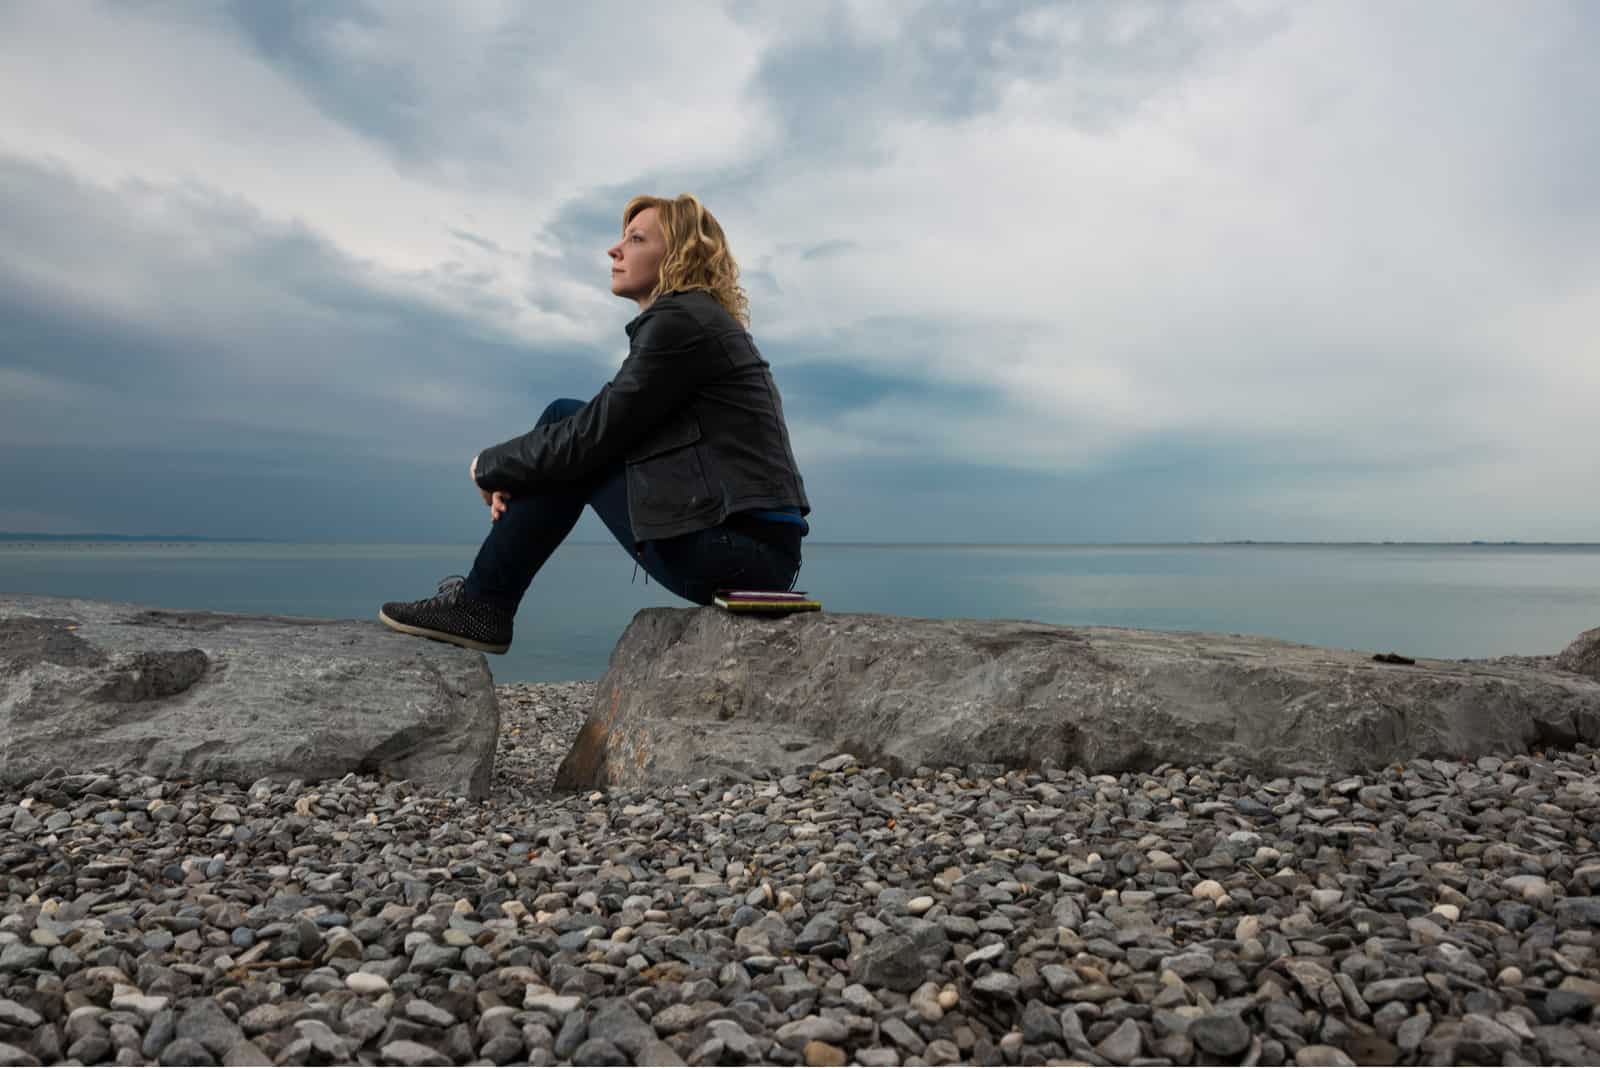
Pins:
<point x="784" y="515"/>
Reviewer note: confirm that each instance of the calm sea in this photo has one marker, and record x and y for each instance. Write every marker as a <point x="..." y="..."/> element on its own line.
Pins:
<point x="1424" y="600"/>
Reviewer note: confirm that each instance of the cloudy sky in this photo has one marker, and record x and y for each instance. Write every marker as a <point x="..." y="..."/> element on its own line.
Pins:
<point x="1025" y="272"/>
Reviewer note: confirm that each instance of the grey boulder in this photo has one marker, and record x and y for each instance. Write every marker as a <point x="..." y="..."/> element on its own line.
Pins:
<point x="208" y="695"/>
<point x="1582" y="657"/>
<point x="693" y="693"/>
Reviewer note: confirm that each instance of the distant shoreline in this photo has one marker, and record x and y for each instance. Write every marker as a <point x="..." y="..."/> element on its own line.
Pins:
<point x="11" y="536"/>
<point x="6" y="535"/>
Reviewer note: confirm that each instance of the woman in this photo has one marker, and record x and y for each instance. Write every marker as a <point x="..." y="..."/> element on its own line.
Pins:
<point x="684" y="454"/>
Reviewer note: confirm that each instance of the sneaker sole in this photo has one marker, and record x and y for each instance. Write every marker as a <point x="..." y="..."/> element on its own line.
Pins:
<point x="440" y="636"/>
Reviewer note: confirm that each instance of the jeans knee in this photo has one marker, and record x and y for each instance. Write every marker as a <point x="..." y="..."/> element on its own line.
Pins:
<point x="558" y="410"/>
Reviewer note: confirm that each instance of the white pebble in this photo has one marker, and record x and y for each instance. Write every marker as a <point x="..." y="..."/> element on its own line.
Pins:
<point x="366" y="983"/>
<point x="555" y="1004"/>
<point x="992" y="951"/>
<point x="130" y="1000"/>
<point x="918" y="905"/>
<point x="1209" y="890"/>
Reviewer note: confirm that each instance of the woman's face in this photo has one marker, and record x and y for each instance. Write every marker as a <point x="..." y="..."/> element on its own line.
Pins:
<point x="636" y="259"/>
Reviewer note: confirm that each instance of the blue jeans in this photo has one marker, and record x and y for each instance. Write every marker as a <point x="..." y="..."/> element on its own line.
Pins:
<point x="736" y="555"/>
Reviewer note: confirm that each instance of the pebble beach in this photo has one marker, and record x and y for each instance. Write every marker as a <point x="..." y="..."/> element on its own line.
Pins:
<point x="1439" y="912"/>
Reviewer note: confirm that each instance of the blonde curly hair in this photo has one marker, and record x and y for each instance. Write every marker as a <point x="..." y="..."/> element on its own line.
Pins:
<point x="697" y="252"/>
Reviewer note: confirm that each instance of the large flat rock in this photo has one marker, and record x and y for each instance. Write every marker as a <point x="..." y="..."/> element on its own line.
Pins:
<point x="208" y="695"/>
<point x="698" y="692"/>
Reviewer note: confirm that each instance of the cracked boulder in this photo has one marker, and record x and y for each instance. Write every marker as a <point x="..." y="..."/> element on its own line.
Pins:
<point x="234" y="697"/>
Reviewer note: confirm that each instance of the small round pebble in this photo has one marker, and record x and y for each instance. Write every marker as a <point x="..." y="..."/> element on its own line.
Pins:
<point x="819" y="1054"/>
<point x="367" y="982"/>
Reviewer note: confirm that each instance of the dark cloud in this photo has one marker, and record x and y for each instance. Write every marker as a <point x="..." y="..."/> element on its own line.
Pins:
<point x="822" y="391"/>
<point x="837" y="94"/>
<point x="443" y="91"/>
<point x="380" y="96"/>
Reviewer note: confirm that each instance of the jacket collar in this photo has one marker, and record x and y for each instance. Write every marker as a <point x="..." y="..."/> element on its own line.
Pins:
<point x="633" y="324"/>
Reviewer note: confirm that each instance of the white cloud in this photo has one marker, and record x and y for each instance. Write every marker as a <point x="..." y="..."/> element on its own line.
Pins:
<point x="140" y="97"/>
<point x="1326" y="233"/>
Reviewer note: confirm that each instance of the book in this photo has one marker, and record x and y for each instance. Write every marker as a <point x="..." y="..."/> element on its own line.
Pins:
<point x="775" y="602"/>
<point x="764" y="595"/>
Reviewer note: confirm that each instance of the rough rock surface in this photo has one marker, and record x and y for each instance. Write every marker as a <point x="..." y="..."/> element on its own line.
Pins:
<point x="1583" y="655"/>
<point x="207" y="695"/>
<point x="698" y="692"/>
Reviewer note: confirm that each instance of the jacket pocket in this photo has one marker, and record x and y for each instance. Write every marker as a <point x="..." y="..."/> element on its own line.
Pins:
<point x="675" y="435"/>
<point x="667" y="475"/>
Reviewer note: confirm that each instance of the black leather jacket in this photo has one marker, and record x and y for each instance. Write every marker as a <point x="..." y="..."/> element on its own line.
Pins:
<point x="693" y="412"/>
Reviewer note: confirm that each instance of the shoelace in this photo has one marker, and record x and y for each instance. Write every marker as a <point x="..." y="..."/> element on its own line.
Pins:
<point x="451" y="585"/>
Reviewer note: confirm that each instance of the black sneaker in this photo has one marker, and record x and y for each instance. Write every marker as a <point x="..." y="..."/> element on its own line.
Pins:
<point x="452" y="616"/>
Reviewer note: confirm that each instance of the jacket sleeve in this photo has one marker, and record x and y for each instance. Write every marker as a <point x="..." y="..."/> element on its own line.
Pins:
<point x="667" y="361"/>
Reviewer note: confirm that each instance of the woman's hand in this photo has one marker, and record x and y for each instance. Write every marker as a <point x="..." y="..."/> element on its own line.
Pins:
<point x="497" y="504"/>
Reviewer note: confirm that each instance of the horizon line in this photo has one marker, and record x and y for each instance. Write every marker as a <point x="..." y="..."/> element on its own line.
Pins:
<point x="24" y="536"/>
